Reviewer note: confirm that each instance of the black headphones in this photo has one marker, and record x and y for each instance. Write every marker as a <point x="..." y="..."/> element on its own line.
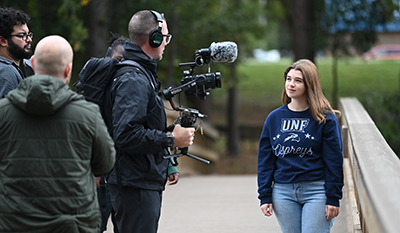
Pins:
<point x="156" y="36"/>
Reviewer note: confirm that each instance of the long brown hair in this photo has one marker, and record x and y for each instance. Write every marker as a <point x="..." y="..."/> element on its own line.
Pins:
<point x="319" y="105"/>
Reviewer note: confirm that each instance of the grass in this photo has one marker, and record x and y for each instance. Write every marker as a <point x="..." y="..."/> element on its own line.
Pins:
<point x="264" y="81"/>
<point x="261" y="84"/>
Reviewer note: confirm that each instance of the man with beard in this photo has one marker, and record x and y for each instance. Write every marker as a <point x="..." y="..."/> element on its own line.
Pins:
<point x="15" y="46"/>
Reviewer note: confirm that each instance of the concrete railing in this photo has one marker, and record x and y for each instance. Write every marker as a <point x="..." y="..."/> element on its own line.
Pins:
<point x="372" y="172"/>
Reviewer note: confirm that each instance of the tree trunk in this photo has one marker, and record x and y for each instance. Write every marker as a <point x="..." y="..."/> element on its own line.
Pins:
<point x="172" y="20"/>
<point x="233" y="137"/>
<point x="335" y="82"/>
<point x="301" y="21"/>
<point x="233" y="125"/>
<point x="311" y="27"/>
<point x="96" y="21"/>
<point x="300" y="44"/>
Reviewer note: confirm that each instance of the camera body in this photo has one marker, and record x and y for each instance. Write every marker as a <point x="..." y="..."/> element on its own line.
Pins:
<point x="199" y="84"/>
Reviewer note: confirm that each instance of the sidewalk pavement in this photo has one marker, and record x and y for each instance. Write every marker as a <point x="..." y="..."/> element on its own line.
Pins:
<point x="221" y="204"/>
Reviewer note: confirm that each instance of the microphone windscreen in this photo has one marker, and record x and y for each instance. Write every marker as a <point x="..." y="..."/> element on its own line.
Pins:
<point x="224" y="51"/>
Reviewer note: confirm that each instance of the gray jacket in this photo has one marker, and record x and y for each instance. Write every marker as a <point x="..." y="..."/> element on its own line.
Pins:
<point x="52" y="143"/>
<point x="10" y="76"/>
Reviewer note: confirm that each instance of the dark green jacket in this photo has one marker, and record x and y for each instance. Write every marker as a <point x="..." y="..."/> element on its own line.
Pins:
<point x="52" y="143"/>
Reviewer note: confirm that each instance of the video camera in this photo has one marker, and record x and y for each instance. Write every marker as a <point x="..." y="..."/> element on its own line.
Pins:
<point x="199" y="85"/>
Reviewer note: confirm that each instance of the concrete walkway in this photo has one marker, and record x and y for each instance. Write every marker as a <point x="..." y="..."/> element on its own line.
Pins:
<point x="221" y="204"/>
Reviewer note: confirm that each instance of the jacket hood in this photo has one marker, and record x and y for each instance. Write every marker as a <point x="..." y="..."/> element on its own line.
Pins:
<point x="42" y="95"/>
<point x="135" y="53"/>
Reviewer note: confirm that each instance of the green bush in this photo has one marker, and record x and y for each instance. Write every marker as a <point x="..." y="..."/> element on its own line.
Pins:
<point x="385" y="111"/>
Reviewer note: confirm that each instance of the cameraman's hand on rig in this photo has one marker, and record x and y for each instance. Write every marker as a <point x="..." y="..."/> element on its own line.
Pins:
<point x="183" y="136"/>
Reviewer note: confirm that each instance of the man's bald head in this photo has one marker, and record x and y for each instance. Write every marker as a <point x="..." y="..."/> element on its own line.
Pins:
<point x="53" y="56"/>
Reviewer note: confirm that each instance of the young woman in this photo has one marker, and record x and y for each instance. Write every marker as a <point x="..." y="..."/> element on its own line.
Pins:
<point x="300" y="172"/>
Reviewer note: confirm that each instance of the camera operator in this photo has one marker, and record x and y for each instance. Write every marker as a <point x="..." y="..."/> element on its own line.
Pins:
<point x="139" y="130"/>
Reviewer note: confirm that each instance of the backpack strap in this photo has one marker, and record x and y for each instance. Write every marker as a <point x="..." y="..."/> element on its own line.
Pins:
<point x="129" y="65"/>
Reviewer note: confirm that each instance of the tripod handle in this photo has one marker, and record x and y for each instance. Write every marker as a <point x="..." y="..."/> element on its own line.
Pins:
<point x="198" y="158"/>
<point x="189" y="155"/>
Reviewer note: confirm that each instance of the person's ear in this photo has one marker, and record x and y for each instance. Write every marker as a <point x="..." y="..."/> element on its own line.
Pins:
<point x="3" y="41"/>
<point x="67" y="72"/>
<point x="33" y="62"/>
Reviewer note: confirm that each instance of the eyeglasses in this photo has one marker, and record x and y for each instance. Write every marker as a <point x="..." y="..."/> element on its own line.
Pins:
<point x="24" y="36"/>
<point x="168" y="38"/>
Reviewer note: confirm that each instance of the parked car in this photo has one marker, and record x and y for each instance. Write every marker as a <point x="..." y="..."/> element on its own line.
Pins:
<point x="383" y="52"/>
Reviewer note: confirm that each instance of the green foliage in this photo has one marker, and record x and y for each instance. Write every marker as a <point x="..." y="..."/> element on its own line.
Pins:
<point x="384" y="109"/>
<point x="69" y="13"/>
<point x="223" y="20"/>
<point x="198" y="23"/>
<point x="50" y="17"/>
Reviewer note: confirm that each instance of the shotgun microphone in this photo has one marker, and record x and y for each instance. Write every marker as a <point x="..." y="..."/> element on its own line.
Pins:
<point x="219" y="52"/>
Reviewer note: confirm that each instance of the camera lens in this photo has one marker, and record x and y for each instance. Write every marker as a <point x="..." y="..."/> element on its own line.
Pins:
<point x="199" y="84"/>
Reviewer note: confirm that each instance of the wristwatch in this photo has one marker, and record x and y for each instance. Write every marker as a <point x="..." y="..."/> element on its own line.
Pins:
<point x="171" y="139"/>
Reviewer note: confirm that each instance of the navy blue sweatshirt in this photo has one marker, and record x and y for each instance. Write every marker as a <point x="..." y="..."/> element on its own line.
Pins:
<point x="295" y="148"/>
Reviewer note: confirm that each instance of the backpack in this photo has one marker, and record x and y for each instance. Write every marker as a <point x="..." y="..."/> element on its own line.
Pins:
<point x="96" y="77"/>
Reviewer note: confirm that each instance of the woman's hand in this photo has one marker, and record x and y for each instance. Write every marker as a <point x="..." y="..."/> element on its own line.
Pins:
<point x="331" y="212"/>
<point x="267" y="209"/>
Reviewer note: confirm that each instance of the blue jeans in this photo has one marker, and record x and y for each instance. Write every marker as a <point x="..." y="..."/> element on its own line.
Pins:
<point x="300" y="207"/>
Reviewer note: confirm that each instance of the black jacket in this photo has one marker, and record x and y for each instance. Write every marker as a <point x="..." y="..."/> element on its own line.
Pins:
<point x="138" y="125"/>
